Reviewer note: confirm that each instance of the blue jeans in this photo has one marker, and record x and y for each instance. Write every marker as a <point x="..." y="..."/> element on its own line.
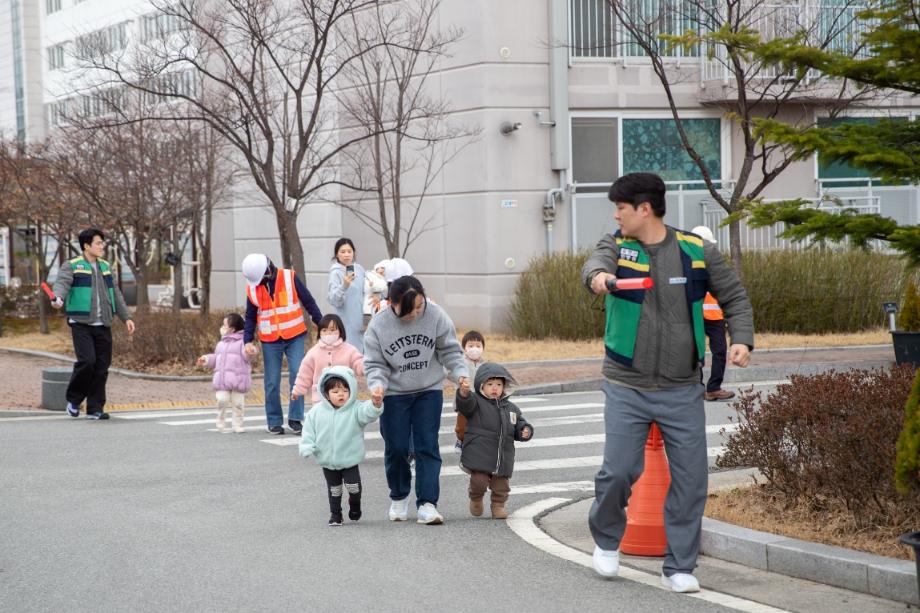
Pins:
<point x="412" y="418"/>
<point x="271" y="354"/>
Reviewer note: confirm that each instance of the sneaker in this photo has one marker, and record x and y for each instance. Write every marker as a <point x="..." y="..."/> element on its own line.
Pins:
<point x="718" y="395"/>
<point x="399" y="509"/>
<point x="354" y="511"/>
<point x="681" y="582"/>
<point x="606" y="563"/>
<point x="335" y="519"/>
<point x="276" y="430"/>
<point x="221" y="424"/>
<point x="238" y="429"/>
<point x="428" y="514"/>
<point x="295" y="426"/>
<point x="458" y="446"/>
<point x="99" y="415"/>
<point x="72" y="410"/>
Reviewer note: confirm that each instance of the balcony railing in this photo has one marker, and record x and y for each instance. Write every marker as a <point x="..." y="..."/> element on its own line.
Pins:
<point x="595" y="32"/>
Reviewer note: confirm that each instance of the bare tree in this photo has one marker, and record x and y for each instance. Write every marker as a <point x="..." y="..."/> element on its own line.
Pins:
<point x="387" y="97"/>
<point x="260" y="73"/>
<point x="208" y="179"/>
<point x="743" y="87"/>
<point x="129" y="179"/>
<point x="35" y="203"/>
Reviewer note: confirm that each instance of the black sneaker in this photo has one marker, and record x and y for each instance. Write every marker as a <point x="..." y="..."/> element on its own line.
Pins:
<point x="354" y="510"/>
<point x="276" y="430"/>
<point x="99" y="415"/>
<point x="295" y="426"/>
<point x="335" y="519"/>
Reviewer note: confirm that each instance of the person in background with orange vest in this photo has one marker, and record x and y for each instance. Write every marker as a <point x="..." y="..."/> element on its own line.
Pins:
<point x="275" y="299"/>
<point x="714" y="324"/>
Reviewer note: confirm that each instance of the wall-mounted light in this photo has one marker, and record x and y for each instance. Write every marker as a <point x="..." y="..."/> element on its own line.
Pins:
<point x="507" y="127"/>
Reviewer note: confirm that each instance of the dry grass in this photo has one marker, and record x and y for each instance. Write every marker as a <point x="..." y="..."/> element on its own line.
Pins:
<point x="499" y="347"/>
<point x="755" y="508"/>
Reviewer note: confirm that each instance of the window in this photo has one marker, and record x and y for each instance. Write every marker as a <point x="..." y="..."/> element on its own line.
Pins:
<point x="594" y="150"/>
<point x="56" y="57"/>
<point x="594" y="31"/>
<point x="160" y="25"/>
<point x="654" y="145"/>
<point x="52" y="6"/>
<point x="835" y="174"/>
<point x="103" y="41"/>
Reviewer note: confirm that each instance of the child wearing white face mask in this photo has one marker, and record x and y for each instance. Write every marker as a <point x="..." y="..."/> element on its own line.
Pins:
<point x="331" y="350"/>
<point x="473" y="345"/>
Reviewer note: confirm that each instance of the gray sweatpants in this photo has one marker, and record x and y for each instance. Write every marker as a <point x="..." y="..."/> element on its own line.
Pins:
<point x="681" y="417"/>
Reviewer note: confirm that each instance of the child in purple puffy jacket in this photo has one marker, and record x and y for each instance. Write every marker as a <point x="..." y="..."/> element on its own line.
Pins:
<point x="232" y="371"/>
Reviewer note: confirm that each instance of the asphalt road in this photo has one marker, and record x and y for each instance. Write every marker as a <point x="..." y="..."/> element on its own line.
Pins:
<point x="157" y="511"/>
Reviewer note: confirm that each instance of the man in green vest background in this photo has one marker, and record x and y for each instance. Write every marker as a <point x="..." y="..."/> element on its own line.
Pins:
<point x="654" y="343"/>
<point x="86" y="288"/>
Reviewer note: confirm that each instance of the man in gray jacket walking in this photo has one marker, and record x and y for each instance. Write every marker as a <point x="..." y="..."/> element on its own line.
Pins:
<point x="86" y="286"/>
<point x="654" y="343"/>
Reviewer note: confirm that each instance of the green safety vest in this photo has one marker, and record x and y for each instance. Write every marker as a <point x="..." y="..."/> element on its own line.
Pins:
<point x="80" y="297"/>
<point x="625" y="307"/>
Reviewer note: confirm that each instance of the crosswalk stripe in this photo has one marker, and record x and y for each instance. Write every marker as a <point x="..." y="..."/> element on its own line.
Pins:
<point x="549" y="488"/>
<point x="198" y="422"/>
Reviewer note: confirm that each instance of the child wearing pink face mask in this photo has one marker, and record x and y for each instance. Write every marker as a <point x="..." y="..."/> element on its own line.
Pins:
<point x="332" y="349"/>
<point x="473" y="345"/>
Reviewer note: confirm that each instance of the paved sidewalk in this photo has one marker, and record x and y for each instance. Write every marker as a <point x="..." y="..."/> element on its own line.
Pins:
<point x="22" y="391"/>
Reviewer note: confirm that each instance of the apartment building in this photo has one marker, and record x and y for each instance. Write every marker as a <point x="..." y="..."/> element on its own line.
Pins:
<point x="565" y="101"/>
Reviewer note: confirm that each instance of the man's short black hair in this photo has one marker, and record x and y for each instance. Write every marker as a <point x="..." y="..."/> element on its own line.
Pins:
<point x="86" y="236"/>
<point x="638" y="187"/>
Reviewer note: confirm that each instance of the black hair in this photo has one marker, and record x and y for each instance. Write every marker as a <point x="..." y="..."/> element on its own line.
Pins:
<point x="472" y="335"/>
<point x="404" y="291"/>
<point x="86" y="236"/>
<point x="638" y="187"/>
<point x="333" y="318"/>
<point x="330" y="383"/>
<point x="338" y="245"/>
<point x="235" y="321"/>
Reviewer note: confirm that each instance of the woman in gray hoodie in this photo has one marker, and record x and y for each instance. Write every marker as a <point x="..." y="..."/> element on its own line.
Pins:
<point x="408" y="345"/>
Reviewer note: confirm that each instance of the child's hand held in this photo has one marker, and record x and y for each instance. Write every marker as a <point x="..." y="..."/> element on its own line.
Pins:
<point x="202" y="360"/>
<point x="377" y="396"/>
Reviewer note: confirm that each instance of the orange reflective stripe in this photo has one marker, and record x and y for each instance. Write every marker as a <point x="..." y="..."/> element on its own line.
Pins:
<point x="711" y="309"/>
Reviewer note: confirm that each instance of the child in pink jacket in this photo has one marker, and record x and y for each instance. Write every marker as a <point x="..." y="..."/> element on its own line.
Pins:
<point x="232" y="371"/>
<point x="331" y="350"/>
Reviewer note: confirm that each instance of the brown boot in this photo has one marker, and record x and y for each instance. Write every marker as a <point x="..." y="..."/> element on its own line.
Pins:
<point x="718" y="395"/>
<point x="498" y="511"/>
<point x="475" y="507"/>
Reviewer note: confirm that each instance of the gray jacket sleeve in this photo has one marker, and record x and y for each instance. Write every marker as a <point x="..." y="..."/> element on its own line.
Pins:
<point x="726" y="288"/>
<point x="448" y="349"/>
<point x="63" y="281"/>
<point x="602" y="259"/>
<point x="376" y="368"/>
<point x="121" y="309"/>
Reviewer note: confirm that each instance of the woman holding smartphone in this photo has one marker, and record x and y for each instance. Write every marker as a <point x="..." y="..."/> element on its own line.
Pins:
<point x="346" y="291"/>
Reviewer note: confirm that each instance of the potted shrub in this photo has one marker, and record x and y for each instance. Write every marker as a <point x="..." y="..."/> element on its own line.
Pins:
<point x="906" y="338"/>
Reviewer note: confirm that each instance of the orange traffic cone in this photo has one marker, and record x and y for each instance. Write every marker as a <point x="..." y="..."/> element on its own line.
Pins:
<point x="644" y="534"/>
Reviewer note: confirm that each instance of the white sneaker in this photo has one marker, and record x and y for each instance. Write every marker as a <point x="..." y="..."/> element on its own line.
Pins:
<point x="606" y="563"/>
<point x="681" y="582"/>
<point x="428" y="514"/>
<point x="399" y="509"/>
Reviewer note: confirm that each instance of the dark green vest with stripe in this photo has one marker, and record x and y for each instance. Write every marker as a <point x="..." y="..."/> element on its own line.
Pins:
<point x="80" y="297"/>
<point x="624" y="308"/>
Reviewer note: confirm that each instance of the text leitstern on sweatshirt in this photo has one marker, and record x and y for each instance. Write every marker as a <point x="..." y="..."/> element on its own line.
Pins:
<point x="410" y="345"/>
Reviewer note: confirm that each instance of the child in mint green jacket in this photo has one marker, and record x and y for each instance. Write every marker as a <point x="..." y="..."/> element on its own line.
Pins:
<point x="333" y="432"/>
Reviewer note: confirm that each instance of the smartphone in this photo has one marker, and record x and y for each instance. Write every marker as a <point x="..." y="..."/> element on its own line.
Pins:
<point x="349" y="269"/>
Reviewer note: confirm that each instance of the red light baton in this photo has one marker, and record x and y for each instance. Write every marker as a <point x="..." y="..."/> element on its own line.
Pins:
<point x="48" y="291"/>
<point x="614" y="285"/>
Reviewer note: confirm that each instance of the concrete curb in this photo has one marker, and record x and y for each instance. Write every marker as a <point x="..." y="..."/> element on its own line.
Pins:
<point x="853" y="570"/>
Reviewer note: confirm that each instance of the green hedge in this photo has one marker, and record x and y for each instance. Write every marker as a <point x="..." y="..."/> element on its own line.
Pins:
<point x="820" y="291"/>
<point x="806" y="292"/>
